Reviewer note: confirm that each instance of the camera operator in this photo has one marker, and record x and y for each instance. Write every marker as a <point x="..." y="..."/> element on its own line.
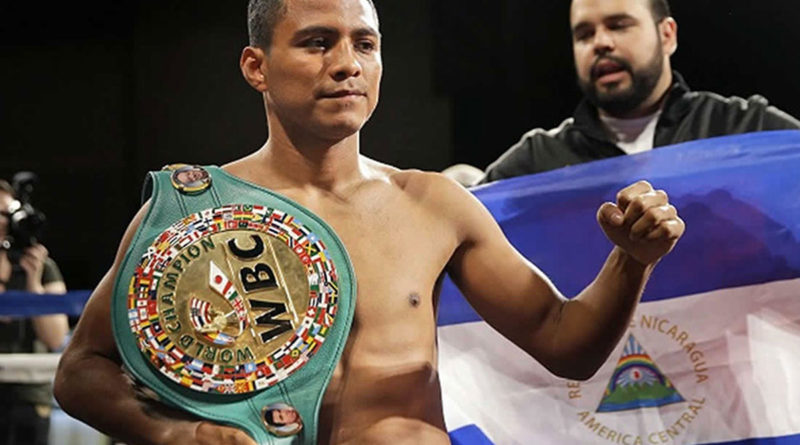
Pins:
<point x="26" y="412"/>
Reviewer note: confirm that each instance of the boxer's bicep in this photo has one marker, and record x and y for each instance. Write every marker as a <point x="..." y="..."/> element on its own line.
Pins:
<point x="509" y="292"/>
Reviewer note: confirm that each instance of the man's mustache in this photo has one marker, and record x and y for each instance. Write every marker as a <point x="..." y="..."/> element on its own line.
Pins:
<point x="597" y="72"/>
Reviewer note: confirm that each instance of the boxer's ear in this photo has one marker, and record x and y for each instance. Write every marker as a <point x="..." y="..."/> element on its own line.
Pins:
<point x="252" y="64"/>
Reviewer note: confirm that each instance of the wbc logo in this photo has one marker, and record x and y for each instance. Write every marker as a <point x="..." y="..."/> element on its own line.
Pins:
<point x="233" y="299"/>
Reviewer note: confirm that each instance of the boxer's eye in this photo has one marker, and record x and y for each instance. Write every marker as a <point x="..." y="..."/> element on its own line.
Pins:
<point x="317" y="43"/>
<point x="366" y="46"/>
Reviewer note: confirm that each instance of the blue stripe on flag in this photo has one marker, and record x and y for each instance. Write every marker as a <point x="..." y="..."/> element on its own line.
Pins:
<point x="739" y="196"/>
<point x="783" y="440"/>
<point x="469" y="435"/>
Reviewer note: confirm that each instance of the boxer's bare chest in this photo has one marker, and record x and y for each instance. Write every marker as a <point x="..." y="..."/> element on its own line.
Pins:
<point x="399" y="246"/>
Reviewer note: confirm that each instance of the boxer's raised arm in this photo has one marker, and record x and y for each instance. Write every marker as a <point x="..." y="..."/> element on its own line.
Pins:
<point x="571" y="337"/>
<point x="91" y="386"/>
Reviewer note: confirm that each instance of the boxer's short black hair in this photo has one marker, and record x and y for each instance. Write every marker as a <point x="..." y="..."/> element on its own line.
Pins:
<point x="263" y="16"/>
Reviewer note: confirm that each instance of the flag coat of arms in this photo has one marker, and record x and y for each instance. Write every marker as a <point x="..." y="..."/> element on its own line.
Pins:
<point x="712" y="354"/>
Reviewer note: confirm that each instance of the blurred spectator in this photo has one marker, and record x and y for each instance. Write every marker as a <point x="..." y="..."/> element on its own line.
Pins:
<point x="26" y="407"/>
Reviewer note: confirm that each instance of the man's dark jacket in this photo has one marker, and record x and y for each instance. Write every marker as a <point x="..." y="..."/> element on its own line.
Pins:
<point x="687" y="116"/>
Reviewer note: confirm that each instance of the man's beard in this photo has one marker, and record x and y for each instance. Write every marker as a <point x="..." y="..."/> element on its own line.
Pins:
<point x="643" y="82"/>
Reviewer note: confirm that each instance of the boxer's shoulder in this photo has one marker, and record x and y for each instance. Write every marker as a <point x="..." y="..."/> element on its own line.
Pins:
<point x="420" y="182"/>
<point x="409" y="181"/>
<point x="433" y="191"/>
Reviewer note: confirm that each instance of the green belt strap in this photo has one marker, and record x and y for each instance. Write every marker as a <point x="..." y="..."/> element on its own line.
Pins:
<point x="301" y="389"/>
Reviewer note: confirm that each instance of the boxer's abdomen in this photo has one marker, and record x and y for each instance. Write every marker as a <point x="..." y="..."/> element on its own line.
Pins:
<point x="386" y="387"/>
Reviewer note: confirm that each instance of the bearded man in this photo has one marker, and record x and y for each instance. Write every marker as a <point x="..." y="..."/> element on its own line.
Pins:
<point x="634" y="101"/>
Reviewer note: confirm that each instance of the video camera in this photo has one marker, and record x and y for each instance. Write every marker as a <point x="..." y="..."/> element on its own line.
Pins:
<point x="25" y="223"/>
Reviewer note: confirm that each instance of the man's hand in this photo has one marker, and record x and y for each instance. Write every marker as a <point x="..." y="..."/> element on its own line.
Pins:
<point x="207" y="433"/>
<point x="32" y="262"/>
<point x="642" y="222"/>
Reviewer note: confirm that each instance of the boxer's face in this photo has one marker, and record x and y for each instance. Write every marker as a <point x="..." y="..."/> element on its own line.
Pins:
<point x="620" y="52"/>
<point x="323" y="70"/>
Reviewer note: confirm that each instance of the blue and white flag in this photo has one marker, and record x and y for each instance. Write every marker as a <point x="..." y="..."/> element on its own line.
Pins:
<point x="712" y="354"/>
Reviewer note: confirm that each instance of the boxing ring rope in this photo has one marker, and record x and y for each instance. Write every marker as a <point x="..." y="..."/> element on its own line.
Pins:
<point x="23" y="304"/>
<point x="38" y="368"/>
<point x="35" y="367"/>
<point x="28" y="368"/>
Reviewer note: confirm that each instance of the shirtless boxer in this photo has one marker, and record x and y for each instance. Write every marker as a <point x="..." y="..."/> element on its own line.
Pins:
<point x="319" y="77"/>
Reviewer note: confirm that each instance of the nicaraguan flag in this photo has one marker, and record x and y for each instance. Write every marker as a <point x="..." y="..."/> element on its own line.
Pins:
<point x="713" y="352"/>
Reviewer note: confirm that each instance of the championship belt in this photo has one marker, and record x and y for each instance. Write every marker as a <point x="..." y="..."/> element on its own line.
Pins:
<point x="237" y="313"/>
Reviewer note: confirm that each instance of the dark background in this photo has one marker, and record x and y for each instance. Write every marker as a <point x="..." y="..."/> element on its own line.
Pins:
<point x="94" y="94"/>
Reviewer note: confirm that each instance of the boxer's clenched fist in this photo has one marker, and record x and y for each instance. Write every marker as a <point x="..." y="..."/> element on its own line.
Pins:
<point x="642" y="222"/>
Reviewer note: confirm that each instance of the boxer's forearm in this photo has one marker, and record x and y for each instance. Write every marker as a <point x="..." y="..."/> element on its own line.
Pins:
<point x="94" y="389"/>
<point x="591" y="324"/>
